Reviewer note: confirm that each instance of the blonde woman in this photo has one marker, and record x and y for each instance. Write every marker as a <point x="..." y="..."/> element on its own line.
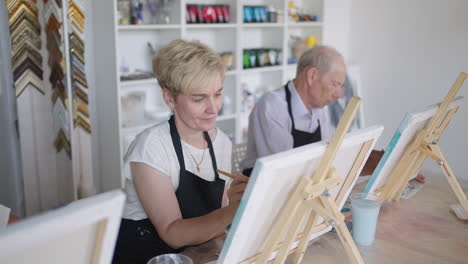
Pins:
<point x="175" y="197"/>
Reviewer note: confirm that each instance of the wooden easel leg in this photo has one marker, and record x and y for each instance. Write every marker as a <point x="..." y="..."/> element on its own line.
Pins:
<point x="348" y="243"/>
<point x="301" y="248"/>
<point x="291" y="235"/>
<point x="318" y="209"/>
<point x="451" y="178"/>
<point x="415" y="166"/>
<point x="343" y="232"/>
<point x="101" y="230"/>
<point x="404" y="177"/>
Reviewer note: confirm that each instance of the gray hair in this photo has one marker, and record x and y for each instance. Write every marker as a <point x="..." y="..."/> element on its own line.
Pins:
<point x="320" y="56"/>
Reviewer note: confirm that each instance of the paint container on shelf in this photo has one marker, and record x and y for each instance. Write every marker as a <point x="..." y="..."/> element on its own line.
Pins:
<point x="246" y="59"/>
<point x="226" y="13"/>
<point x="272" y="15"/>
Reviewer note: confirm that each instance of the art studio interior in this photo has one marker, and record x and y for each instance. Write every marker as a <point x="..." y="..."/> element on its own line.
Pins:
<point x="233" y="131"/>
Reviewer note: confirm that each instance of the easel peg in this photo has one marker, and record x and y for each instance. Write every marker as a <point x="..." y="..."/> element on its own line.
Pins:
<point x="434" y="142"/>
<point x="326" y="193"/>
<point x="332" y="223"/>
<point x="441" y="163"/>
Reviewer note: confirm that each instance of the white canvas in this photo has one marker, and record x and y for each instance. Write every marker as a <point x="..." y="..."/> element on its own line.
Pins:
<point x="82" y="232"/>
<point x="409" y="128"/>
<point x="272" y="180"/>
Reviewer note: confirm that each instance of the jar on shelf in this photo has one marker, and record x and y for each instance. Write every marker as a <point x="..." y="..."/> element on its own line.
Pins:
<point x="228" y="59"/>
<point x="163" y="16"/>
<point x="297" y="47"/>
<point x="311" y="41"/>
<point x="272" y="15"/>
<point x="133" y="108"/>
<point x="123" y="7"/>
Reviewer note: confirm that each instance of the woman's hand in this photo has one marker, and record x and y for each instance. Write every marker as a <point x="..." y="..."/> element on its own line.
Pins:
<point x="237" y="188"/>
<point x="158" y="198"/>
<point x="235" y="192"/>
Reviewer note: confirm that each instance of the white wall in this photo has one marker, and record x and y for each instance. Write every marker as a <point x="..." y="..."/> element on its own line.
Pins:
<point x="336" y="29"/>
<point x="11" y="185"/>
<point x="410" y="53"/>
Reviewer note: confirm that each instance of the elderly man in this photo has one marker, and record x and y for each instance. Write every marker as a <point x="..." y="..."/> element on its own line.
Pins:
<point x="294" y="115"/>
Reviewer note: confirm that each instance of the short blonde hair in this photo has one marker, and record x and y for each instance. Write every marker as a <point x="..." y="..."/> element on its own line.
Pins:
<point x="183" y="66"/>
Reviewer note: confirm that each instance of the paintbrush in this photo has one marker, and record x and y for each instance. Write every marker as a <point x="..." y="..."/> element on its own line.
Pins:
<point x="226" y="174"/>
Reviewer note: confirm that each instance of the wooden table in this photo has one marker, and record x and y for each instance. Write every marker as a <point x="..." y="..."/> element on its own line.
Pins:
<point x="419" y="230"/>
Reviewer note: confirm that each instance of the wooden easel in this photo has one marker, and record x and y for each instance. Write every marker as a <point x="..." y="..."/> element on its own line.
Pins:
<point x="309" y="201"/>
<point x="424" y="146"/>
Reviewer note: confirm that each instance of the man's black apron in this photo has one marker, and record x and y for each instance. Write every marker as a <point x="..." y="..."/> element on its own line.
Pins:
<point x="300" y="138"/>
<point x="138" y="241"/>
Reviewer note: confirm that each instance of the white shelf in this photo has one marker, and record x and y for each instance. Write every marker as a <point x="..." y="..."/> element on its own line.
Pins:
<point x="211" y="26"/>
<point x="262" y="25"/>
<point x="305" y="24"/>
<point x="132" y="83"/>
<point x="291" y="66"/>
<point x="147" y="27"/>
<point x="263" y="69"/>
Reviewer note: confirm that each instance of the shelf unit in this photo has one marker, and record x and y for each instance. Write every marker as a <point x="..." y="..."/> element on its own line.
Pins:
<point x="130" y="47"/>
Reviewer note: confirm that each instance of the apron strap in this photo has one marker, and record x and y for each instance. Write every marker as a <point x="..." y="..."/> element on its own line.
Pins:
<point x="177" y="143"/>
<point x="212" y="154"/>
<point x="288" y="100"/>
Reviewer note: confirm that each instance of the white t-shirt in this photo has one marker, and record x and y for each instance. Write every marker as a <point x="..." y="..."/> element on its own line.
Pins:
<point x="154" y="147"/>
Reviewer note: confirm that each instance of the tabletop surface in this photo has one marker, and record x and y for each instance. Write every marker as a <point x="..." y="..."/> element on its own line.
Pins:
<point x="422" y="229"/>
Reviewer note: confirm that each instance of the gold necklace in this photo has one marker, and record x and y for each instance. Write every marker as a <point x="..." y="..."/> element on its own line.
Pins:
<point x="197" y="164"/>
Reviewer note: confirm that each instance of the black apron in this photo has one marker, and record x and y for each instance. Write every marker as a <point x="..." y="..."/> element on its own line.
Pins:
<point x="138" y="241"/>
<point x="300" y="138"/>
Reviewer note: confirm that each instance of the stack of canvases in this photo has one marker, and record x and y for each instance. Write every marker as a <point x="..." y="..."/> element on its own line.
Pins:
<point x="56" y="153"/>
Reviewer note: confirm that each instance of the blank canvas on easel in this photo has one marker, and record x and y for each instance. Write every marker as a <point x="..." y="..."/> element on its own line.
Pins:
<point x="82" y="232"/>
<point x="409" y="128"/>
<point x="275" y="176"/>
